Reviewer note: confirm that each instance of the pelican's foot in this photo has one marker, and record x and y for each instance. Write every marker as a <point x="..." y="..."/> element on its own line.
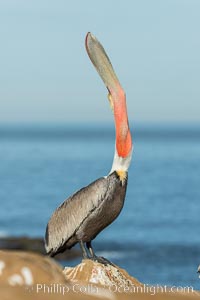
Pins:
<point x="102" y="260"/>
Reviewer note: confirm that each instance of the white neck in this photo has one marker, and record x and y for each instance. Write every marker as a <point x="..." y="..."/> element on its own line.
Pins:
<point x="121" y="163"/>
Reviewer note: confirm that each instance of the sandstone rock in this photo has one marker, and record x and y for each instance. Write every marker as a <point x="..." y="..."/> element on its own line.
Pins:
<point x="103" y="275"/>
<point x="27" y="276"/>
<point x="23" y="268"/>
<point x="112" y="282"/>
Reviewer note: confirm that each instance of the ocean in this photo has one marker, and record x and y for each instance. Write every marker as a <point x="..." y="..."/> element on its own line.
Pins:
<point x="156" y="237"/>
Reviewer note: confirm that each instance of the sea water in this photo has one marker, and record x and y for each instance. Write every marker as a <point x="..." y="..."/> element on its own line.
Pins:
<point x="156" y="237"/>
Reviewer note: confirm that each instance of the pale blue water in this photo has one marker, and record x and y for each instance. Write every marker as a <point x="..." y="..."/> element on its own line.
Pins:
<point x="156" y="237"/>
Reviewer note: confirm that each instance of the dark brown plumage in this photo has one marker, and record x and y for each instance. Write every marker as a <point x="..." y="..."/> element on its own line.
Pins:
<point x="91" y="209"/>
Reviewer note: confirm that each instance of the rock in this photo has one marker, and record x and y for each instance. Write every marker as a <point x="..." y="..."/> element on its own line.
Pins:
<point x="90" y="272"/>
<point x="112" y="282"/>
<point x="23" y="268"/>
<point x="27" y="276"/>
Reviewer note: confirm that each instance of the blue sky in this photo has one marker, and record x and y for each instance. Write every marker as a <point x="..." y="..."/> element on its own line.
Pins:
<point x="46" y="75"/>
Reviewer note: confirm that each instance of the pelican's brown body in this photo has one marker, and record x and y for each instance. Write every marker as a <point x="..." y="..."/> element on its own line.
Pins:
<point x="90" y="210"/>
<point x="83" y="215"/>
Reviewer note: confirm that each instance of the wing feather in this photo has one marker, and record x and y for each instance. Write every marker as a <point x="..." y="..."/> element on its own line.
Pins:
<point x="69" y="216"/>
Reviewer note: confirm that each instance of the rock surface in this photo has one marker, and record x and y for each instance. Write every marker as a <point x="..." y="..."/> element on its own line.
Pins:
<point x="90" y="272"/>
<point x="18" y="268"/>
<point x="27" y="276"/>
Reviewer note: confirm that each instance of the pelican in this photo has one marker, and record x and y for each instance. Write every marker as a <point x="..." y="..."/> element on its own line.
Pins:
<point x="88" y="211"/>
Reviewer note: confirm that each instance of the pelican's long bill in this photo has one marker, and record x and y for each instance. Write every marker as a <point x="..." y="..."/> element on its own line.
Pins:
<point x="101" y="61"/>
<point x="117" y="96"/>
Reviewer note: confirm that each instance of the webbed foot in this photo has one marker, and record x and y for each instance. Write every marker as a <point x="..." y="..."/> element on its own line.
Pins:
<point x="102" y="260"/>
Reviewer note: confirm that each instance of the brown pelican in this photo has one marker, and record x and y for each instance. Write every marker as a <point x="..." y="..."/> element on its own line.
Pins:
<point x="83" y="215"/>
